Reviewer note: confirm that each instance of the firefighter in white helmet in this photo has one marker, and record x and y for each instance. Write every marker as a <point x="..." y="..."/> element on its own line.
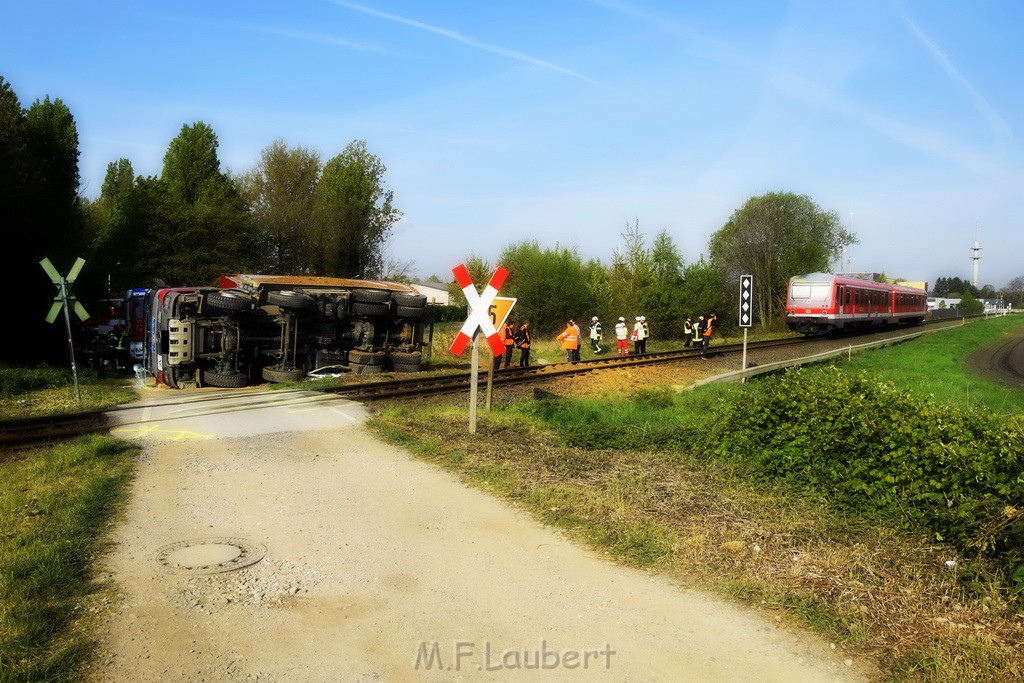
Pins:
<point x="622" y="337"/>
<point x="595" y="334"/>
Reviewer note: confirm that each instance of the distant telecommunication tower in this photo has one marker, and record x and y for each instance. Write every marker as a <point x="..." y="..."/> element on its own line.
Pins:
<point x="976" y="255"/>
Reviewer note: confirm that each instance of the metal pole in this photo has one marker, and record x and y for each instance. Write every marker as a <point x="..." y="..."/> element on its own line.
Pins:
<point x="490" y="382"/>
<point x="474" y="373"/>
<point x="744" y="365"/>
<point x="71" y="345"/>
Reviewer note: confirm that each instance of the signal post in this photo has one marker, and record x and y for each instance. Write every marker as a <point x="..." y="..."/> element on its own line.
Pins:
<point x="746" y="316"/>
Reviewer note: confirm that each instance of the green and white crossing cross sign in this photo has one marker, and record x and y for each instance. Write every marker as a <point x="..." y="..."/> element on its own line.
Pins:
<point x="746" y="301"/>
<point x="64" y="295"/>
<point x="65" y="300"/>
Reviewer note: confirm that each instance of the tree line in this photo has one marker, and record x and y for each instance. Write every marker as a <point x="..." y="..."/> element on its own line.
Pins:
<point x="294" y="213"/>
<point x="291" y="213"/>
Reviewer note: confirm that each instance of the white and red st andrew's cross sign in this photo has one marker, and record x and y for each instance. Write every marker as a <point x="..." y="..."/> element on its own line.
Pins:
<point x="479" y="305"/>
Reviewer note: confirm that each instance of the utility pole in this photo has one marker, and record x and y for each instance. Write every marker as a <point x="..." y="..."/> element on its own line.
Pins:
<point x="976" y="254"/>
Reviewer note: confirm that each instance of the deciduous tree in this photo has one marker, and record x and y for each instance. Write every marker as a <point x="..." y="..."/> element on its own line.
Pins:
<point x="630" y="270"/>
<point x="551" y="285"/>
<point x="773" y="237"/>
<point x="280" y="191"/>
<point x="661" y="300"/>
<point x="1014" y="292"/>
<point x="355" y="214"/>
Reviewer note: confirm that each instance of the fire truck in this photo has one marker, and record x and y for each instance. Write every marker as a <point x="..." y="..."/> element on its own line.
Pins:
<point x="128" y="311"/>
<point x="273" y="328"/>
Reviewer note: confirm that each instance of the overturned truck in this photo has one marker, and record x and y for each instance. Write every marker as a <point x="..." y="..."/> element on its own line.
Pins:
<point x="268" y="328"/>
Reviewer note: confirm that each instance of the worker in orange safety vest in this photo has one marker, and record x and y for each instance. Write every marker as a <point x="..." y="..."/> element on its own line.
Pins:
<point x="508" y="331"/>
<point x="570" y="339"/>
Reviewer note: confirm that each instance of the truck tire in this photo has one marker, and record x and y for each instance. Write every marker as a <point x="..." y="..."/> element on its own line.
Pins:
<point x="371" y="296"/>
<point x="405" y="367"/>
<point x="366" y="357"/>
<point x="409" y="312"/>
<point x="296" y="301"/>
<point x="225" y="380"/>
<point x="367" y="309"/>
<point x="272" y="374"/>
<point x="411" y="300"/>
<point x="228" y="300"/>
<point x="360" y="369"/>
<point x="405" y="361"/>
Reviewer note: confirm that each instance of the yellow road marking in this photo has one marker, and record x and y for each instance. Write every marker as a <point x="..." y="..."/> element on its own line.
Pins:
<point x="169" y="434"/>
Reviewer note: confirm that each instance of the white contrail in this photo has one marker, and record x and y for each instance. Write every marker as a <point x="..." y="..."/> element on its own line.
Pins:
<point x="999" y="126"/>
<point x="458" y="37"/>
<point x="322" y="39"/>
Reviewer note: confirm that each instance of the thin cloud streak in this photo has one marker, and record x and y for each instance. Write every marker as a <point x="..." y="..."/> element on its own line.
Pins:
<point x="815" y="94"/>
<point x="322" y="39"/>
<point x="999" y="126"/>
<point x="458" y="37"/>
<point x="910" y="136"/>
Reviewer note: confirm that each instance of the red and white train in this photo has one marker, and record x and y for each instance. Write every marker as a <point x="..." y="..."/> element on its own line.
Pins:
<point x="821" y="302"/>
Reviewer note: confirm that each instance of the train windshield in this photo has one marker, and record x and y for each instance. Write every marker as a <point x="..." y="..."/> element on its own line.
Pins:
<point x="815" y="291"/>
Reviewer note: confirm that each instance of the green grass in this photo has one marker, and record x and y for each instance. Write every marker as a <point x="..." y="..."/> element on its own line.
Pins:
<point x="48" y="390"/>
<point x="55" y="504"/>
<point x="635" y="479"/>
<point x="935" y="365"/>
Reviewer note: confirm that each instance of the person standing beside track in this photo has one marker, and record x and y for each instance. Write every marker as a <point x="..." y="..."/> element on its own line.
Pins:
<point x="595" y="334"/>
<point x="622" y="337"/>
<point x="523" y="339"/>
<point x="687" y="333"/>
<point x="638" y="336"/>
<point x="579" y="341"/>
<point x="508" y="331"/>
<point x="118" y="341"/>
<point x="705" y="335"/>
<point x="570" y="339"/>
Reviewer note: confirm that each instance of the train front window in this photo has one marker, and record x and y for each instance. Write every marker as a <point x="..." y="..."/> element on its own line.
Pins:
<point x="813" y="292"/>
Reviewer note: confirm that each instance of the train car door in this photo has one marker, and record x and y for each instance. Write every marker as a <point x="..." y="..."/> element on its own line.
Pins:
<point x="840" y="307"/>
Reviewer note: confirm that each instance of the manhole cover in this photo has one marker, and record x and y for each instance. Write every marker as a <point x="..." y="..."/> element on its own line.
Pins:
<point x="209" y="556"/>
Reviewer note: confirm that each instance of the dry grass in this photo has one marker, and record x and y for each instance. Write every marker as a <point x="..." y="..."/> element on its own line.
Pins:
<point x="878" y="594"/>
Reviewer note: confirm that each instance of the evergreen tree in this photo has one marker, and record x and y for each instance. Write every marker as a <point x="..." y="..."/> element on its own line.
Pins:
<point x="39" y="213"/>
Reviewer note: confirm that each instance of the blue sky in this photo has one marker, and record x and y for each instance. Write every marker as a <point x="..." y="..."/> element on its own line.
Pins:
<point x="561" y="121"/>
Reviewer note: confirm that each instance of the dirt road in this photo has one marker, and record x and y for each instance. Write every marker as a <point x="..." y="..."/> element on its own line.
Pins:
<point x="378" y="567"/>
<point x="1003" y="362"/>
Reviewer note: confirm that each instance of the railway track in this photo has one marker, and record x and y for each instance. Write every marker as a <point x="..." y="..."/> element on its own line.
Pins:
<point x="460" y="382"/>
<point x="35" y="431"/>
<point x="31" y="432"/>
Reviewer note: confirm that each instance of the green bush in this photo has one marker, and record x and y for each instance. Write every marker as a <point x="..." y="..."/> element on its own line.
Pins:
<point x="868" y="447"/>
